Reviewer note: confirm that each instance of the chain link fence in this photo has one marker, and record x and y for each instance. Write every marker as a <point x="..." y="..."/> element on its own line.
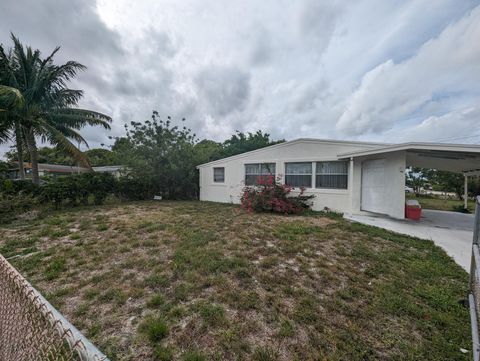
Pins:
<point x="31" y="329"/>
<point x="474" y="296"/>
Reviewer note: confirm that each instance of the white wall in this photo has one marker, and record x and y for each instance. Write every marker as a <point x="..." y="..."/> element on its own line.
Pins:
<point x="297" y="151"/>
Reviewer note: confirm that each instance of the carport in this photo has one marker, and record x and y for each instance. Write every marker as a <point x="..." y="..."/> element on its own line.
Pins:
<point x="378" y="194"/>
<point x="378" y="177"/>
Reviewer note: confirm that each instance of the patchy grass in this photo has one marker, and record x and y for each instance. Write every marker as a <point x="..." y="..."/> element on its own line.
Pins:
<point x="442" y="204"/>
<point x="205" y="281"/>
<point x="155" y="328"/>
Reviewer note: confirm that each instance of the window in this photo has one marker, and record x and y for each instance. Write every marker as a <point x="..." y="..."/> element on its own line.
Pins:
<point x="254" y="171"/>
<point x="219" y="175"/>
<point x="298" y="174"/>
<point x="332" y="175"/>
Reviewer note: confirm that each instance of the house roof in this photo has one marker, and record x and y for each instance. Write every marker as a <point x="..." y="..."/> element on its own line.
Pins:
<point x="107" y="168"/>
<point x="58" y="168"/>
<point x="460" y="158"/>
<point x="415" y="146"/>
<point x="464" y="158"/>
<point x="299" y="140"/>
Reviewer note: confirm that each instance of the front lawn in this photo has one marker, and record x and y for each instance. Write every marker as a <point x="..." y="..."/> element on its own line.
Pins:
<point x="205" y="281"/>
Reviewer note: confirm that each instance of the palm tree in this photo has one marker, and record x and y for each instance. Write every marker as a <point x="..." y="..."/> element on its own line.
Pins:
<point x="49" y="111"/>
<point x="11" y="99"/>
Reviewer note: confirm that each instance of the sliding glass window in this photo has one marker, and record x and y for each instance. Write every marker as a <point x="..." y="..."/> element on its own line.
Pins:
<point x="333" y="175"/>
<point x="298" y="174"/>
<point x="254" y="171"/>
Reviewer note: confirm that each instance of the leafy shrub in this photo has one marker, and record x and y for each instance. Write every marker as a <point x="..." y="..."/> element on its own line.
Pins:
<point x="14" y="187"/>
<point x="100" y="185"/>
<point x="60" y="190"/>
<point x="11" y="205"/>
<point x="20" y="196"/>
<point x="134" y="188"/>
<point x="269" y="195"/>
<point x="74" y="189"/>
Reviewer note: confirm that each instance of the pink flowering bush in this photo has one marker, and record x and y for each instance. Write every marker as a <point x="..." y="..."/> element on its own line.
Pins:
<point x="269" y="195"/>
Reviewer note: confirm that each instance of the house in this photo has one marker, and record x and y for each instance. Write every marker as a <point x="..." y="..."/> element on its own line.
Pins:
<point x="345" y="176"/>
<point x="45" y="170"/>
<point x="114" y="170"/>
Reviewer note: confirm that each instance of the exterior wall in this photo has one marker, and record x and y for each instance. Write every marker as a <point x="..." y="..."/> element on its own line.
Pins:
<point x="394" y="179"/>
<point x="298" y="151"/>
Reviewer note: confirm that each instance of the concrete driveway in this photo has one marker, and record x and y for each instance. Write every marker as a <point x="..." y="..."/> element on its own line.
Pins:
<point x="452" y="231"/>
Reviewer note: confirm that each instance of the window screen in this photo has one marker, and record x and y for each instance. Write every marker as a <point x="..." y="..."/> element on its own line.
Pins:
<point x="332" y="175"/>
<point x="254" y="171"/>
<point x="298" y="174"/>
<point x="219" y="175"/>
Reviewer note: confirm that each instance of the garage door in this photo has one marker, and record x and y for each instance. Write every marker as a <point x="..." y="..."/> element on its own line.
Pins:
<point x="373" y="186"/>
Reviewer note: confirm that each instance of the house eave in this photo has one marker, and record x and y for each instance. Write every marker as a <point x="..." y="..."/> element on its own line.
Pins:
<point x="288" y="143"/>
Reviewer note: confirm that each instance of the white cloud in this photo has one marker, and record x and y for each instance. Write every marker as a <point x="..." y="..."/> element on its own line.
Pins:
<point x="458" y="126"/>
<point x="316" y="68"/>
<point x="447" y="65"/>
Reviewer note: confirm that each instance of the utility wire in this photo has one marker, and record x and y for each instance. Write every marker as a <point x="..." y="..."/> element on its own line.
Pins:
<point x="456" y="138"/>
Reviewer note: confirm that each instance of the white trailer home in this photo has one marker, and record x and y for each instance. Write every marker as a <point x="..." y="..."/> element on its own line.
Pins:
<point x="345" y="176"/>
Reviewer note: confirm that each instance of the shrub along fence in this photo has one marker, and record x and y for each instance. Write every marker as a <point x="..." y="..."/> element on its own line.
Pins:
<point x="19" y="197"/>
<point x="31" y="329"/>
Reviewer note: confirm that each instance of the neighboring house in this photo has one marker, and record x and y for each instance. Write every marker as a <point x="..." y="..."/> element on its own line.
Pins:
<point x="115" y="170"/>
<point x="57" y="170"/>
<point x="45" y="170"/>
<point x="345" y="176"/>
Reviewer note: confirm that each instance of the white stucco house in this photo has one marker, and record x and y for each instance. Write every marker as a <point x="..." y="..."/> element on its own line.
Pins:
<point x="345" y="176"/>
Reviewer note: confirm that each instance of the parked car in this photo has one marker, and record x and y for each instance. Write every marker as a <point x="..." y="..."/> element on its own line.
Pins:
<point x="408" y="189"/>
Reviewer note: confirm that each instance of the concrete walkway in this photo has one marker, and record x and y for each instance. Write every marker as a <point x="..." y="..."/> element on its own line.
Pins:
<point x="451" y="231"/>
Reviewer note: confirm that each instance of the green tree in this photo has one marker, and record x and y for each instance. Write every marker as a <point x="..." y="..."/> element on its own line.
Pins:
<point x="245" y="142"/>
<point x="416" y="178"/>
<point x="440" y="180"/>
<point x="449" y="182"/>
<point x="208" y="150"/>
<point x="45" y="155"/>
<point x="100" y="157"/>
<point x="11" y="100"/>
<point x="49" y="109"/>
<point x="160" y="157"/>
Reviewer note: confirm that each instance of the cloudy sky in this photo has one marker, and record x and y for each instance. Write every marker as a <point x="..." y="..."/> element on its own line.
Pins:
<point x="379" y="70"/>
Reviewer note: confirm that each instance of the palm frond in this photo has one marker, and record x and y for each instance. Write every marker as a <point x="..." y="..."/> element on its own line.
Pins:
<point x="57" y="138"/>
<point x="10" y="98"/>
<point x="84" y="117"/>
<point x="48" y="59"/>
<point x="6" y="131"/>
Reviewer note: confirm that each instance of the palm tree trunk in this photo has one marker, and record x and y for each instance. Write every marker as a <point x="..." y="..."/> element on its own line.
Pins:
<point x="18" y="140"/>
<point x="32" y="149"/>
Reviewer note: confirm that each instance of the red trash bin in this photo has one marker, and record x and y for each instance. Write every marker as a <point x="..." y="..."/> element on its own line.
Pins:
<point x="413" y="210"/>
